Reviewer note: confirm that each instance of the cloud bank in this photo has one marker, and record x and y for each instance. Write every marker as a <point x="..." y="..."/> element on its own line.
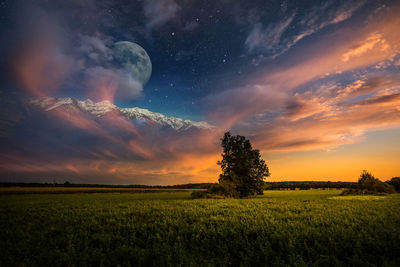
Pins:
<point x="303" y="106"/>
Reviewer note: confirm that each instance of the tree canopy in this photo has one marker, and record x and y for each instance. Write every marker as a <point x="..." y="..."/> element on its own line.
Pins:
<point x="243" y="170"/>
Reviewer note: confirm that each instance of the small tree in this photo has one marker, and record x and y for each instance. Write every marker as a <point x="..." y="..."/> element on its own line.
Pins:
<point x="243" y="170"/>
<point x="371" y="184"/>
<point x="366" y="181"/>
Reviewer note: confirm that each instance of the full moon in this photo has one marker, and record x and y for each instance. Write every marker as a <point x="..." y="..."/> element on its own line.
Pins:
<point x="134" y="59"/>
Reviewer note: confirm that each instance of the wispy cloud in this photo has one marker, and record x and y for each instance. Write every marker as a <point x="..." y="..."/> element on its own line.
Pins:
<point x="96" y="48"/>
<point x="268" y="38"/>
<point x="109" y="84"/>
<point x="159" y="12"/>
<point x="374" y="41"/>
<point x="272" y="40"/>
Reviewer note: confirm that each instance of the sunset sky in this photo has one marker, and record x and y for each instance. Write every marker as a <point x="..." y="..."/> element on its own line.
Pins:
<point x="315" y="86"/>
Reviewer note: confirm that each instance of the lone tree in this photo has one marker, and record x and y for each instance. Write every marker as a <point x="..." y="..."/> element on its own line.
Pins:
<point x="243" y="170"/>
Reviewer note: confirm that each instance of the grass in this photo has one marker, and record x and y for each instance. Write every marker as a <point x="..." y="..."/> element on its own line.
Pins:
<point x="280" y="228"/>
<point x="362" y="197"/>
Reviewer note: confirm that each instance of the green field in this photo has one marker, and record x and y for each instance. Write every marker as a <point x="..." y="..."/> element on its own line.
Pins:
<point x="295" y="228"/>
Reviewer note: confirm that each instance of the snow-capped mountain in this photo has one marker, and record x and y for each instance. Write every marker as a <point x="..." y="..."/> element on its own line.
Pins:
<point x="100" y="109"/>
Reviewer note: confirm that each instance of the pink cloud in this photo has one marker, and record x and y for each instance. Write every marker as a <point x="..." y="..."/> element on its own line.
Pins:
<point x="38" y="62"/>
<point x="295" y="106"/>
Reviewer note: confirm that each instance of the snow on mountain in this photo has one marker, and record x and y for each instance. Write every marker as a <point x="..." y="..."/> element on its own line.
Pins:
<point x="100" y="109"/>
<point x="173" y="122"/>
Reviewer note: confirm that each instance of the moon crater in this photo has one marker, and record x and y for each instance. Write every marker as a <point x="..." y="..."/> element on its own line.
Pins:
<point x="134" y="59"/>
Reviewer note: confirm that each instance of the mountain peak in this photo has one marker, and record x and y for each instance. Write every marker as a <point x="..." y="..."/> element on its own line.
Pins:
<point x="100" y="109"/>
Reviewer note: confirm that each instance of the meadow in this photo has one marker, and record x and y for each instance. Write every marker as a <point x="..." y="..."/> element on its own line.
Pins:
<point x="72" y="190"/>
<point x="280" y="228"/>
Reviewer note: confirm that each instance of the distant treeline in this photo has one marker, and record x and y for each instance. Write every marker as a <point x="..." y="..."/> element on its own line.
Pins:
<point x="268" y="185"/>
<point x="308" y="185"/>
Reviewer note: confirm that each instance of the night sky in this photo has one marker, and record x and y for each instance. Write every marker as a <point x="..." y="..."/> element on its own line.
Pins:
<point x="315" y="85"/>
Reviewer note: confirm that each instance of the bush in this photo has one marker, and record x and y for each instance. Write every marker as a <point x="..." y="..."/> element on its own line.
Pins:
<point x="369" y="185"/>
<point x="382" y="187"/>
<point x="395" y="182"/>
<point x="354" y="191"/>
<point x="205" y="194"/>
<point x="217" y="189"/>
<point x="199" y="194"/>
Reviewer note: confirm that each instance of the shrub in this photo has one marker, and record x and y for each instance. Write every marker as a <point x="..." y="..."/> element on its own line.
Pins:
<point x="217" y="189"/>
<point x="199" y="194"/>
<point x="369" y="185"/>
<point x="205" y="194"/>
<point x="395" y="182"/>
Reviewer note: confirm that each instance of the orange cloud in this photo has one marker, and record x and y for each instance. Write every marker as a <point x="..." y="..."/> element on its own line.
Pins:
<point x="298" y="107"/>
<point x="347" y="49"/>
<point x="373" y="42"/>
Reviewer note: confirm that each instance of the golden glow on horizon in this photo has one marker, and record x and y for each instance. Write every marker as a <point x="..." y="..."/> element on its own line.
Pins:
<point x="376" y="153"/>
